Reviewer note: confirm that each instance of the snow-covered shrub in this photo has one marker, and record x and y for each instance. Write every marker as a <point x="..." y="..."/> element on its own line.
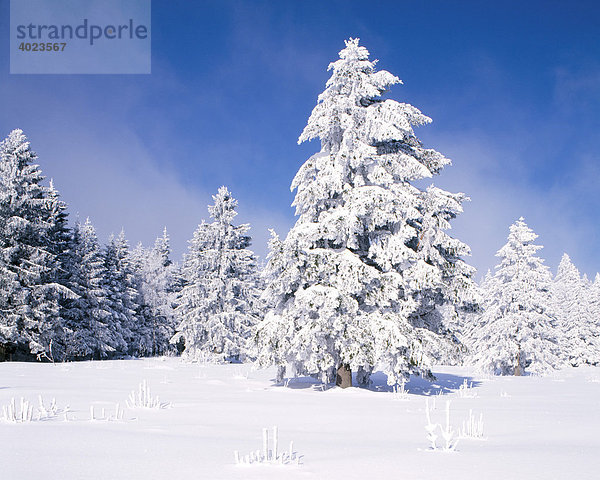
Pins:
<point x="446" y="430"/>
<point x="466" y="390"/>
<point x="269" y="456"/>
<point x="24" y="411"/>
<point x="142" y="398"/>
<point x="430" y="427"/>
<point x="472" y="427"/>
<point x="18" y="413"/>
<point x="400" y="393"/>
<point x="52" y="411"/>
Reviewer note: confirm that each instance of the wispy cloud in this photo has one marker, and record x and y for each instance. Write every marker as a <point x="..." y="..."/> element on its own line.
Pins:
<point x="501" y="192"/>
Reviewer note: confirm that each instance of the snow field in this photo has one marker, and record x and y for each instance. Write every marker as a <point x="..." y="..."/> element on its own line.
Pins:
<point x="535" y="427"/>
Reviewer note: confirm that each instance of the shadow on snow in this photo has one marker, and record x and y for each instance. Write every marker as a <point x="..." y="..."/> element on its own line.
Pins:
<point x="444" y="383"/>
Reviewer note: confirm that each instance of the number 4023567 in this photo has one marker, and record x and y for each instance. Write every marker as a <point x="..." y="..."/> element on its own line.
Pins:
<point x="42" y="47"/>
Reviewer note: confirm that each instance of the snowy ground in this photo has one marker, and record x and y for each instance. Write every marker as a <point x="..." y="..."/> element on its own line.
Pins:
<point x="534" y="428"/>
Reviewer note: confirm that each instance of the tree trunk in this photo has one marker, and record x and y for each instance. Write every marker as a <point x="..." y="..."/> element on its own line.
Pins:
<point x="518" y="370"/>
<point x="280" y="373"/>
<point x="344" y="376"/>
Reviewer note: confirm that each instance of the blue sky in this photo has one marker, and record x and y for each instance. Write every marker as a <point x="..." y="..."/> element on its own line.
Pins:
<point x="513" y="90"/>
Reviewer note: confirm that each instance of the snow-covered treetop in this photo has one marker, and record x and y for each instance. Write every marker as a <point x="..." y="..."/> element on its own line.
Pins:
<point x="518" y="255"/>
<point x="16" y="146"/>
<point x="162" y="248"/>
<point x="567" y="272"/>
<point x="223" y="210"/>
<point x="86" y="232"/>
<point x="354" y="85"/>
<point x="365" y="140"/>
<point x="17" y="160"/>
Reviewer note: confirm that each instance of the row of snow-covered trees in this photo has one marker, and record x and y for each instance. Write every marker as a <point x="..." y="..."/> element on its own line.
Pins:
<point x="367" y="278"/>
<point x="529" y="321"/>
<point x="63" y="295"/>
<point x="122" y="298"/>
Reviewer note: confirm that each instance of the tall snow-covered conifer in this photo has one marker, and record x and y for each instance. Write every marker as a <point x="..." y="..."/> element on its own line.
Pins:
<point x="572" y="302"/>
<point x="156" y="283"/>
<point x="92" y="328"/>
<point x="32" y="230"/>
<point x="217" y="303"/>
<point x="594" y="303"/>
<point x="515" y="333"/>
<point x="359" y="279"/>
<point x="119" y="287"/>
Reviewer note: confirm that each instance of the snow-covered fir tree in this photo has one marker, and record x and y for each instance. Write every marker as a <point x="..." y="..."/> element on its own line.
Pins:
<point x="156" y="283"/>
<point x="32" y="229"/>
<point x="594" y="302"/>
<point x="217" y="303"/>
<point x="59" y="233"/>
<point x="162" y="249"/>
<point x="360" y="278"/>
<point x="515" y="333"/>
<point x="120" y="289"/>
<point x="59" y="244"/>
<point x="572" y="302"/>
<point x="92" y="328"/>
<point x="142" y="341"/>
